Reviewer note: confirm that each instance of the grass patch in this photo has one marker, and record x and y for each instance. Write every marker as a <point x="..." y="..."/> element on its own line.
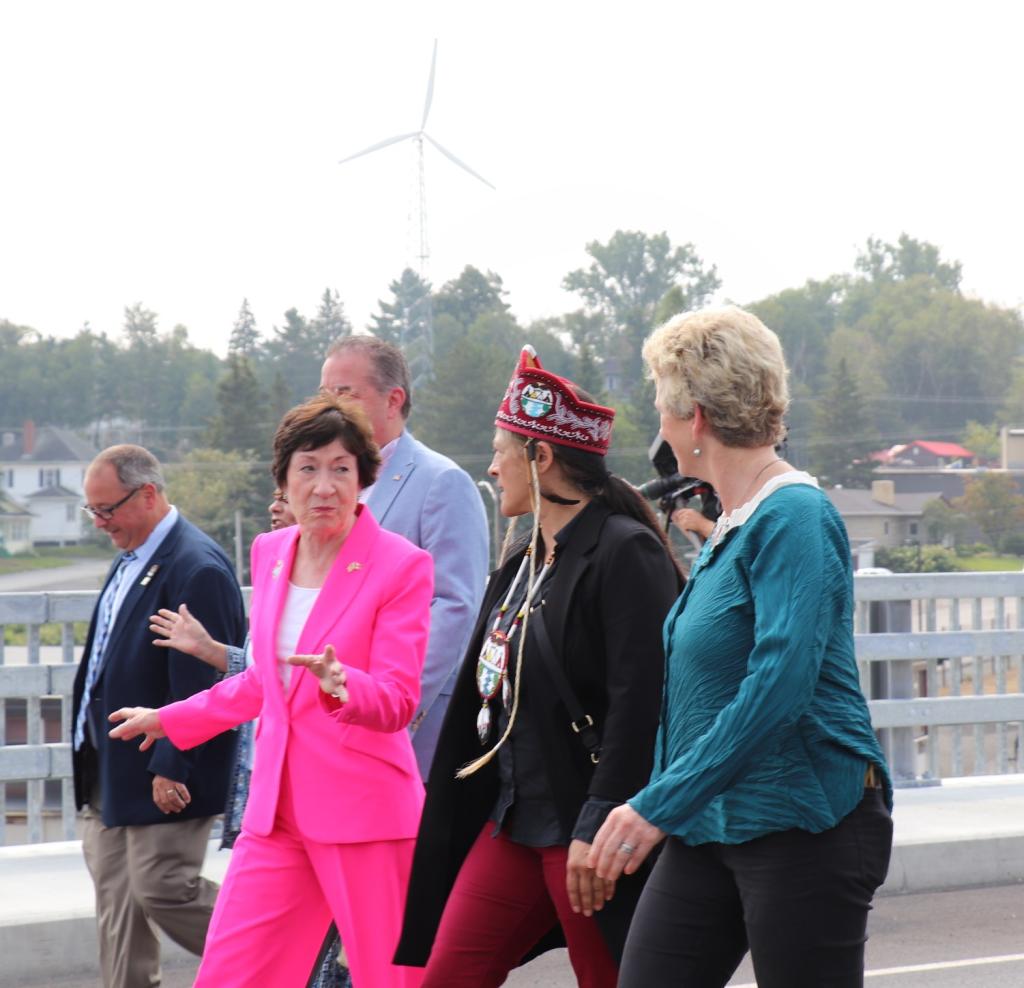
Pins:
<point x="49" y="634"/>
<point x="51" y="557"/>
<point x="86" y="550"/>
<point x="21" y="564"/>
<point x="988" y="563"/>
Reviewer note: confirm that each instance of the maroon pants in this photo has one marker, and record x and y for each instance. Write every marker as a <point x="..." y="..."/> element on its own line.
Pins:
<point x="506" y="897"/>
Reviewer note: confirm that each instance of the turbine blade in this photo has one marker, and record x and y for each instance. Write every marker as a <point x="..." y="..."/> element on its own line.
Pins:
<point x="378" y="146"/>
<point x="451" y="157"/>
<point x="430" y="87"/>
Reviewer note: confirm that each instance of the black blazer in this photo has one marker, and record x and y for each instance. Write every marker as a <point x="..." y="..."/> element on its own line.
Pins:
<point x="191" y="569"/>
<point x="604" y="610"/>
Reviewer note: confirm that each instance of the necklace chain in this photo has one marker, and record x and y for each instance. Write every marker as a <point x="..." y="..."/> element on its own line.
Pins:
<point x="725" y="520"/>
<point x="750" y="486"/>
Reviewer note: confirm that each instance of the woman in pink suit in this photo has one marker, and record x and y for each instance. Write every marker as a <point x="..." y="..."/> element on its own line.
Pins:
<point x="339" y="622"/>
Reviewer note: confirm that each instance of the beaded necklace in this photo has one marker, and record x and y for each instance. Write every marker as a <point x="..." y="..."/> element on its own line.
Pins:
<point x="492" y="665"/>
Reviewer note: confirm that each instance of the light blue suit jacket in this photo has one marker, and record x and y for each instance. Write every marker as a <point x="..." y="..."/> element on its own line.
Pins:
<point x="434" y="503"/>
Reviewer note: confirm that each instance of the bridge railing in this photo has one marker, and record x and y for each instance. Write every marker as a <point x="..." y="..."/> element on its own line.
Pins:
<point x="941" y="658"/>
<point x="942" y="661"/>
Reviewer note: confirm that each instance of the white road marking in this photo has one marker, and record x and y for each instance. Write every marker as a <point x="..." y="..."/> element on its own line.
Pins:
<point x="936" y="966"/>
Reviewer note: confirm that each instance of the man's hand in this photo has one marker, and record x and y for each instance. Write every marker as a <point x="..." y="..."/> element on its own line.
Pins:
<point x="327" y="669"/>
<point x="587" y="892"/>
<point x="688" y="520"/>
<point x="170" y="796"/>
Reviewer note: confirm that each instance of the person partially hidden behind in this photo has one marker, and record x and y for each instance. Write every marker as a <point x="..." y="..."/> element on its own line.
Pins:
<point x="147" y="814"/>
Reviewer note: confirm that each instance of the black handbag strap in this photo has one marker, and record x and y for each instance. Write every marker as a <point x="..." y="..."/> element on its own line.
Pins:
<point x="582" y="723"/>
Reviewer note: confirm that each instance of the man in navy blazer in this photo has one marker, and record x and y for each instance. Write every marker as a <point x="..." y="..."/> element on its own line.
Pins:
<point x="430" y="500"/>
<point x="147" y="815"/>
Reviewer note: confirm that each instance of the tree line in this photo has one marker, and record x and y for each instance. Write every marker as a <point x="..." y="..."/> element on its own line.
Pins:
<point x="888" y="351"/>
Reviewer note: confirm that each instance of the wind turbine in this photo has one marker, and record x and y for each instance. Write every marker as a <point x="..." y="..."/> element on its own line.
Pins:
<point x="418" y="137"/>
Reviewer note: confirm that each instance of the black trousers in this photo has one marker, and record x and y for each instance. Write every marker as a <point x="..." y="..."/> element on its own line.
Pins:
<point x="798" y="901"/>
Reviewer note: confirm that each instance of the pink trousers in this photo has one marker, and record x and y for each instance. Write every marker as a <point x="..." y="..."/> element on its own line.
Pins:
<point x="279" y="896"/>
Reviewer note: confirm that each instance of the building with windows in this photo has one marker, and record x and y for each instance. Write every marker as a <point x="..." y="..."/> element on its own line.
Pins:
<point x="15" y="527"/>
<point x="880" y="515"/>
<point x="41" y="473"/>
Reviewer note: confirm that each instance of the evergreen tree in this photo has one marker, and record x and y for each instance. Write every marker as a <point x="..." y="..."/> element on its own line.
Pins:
<point x="405" y="319"/>
<point x="245" y="337"/>
<point x="240" y="424"/>
<point x="139" y="366"/>
<point x="470" y="296"/>
<point x="280" y="397"/>
<point x="588" y="374"/>
<point x="329" y="324"/>
<point x="297" y="354"/>
<point x="841" y="437"/>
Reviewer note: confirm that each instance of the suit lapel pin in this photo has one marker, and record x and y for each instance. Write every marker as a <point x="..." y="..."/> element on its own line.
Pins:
<point x="352" y="567"/>
<point x="278" y="566"/>
<point x="397" y="476"/>
<point x="150" y="573"/>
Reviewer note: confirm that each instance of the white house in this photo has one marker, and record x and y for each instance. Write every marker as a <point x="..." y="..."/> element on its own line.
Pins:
<point x="41" y="471"/>
<point x="15" y="523"/>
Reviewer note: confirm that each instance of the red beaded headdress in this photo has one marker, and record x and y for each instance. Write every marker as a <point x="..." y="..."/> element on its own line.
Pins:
<point x="543" y="405"/>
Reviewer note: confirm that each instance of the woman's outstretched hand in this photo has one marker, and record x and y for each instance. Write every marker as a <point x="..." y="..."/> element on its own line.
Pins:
<point x="623" y="842"/>
<point x="136" y="721"/>
<point x="327" y="669"/>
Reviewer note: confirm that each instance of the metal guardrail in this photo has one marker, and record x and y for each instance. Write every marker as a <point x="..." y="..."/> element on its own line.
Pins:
<point x="35" y="762"/>
<point x="948" y="667"/>
<point x="942" y="662"/>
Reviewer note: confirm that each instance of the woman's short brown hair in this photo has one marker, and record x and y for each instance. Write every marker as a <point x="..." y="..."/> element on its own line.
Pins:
<point x="317" y="422"/>
<point x="728" y="362"/>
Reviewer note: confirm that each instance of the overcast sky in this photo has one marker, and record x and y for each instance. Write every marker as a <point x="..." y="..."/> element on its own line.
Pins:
<point x="186" y="155"/>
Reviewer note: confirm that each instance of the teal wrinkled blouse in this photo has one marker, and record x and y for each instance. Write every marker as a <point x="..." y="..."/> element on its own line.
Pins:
<point x="764" y="726"/>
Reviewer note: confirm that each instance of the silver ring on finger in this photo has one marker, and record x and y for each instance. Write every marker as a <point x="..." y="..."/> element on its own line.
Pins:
<point x="626" y="848"/>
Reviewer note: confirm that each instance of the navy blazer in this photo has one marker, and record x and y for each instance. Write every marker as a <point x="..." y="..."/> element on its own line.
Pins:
<point x="190" y="568"/>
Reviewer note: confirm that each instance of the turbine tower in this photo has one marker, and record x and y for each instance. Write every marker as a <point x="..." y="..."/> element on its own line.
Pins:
<point x="418" y="137"/>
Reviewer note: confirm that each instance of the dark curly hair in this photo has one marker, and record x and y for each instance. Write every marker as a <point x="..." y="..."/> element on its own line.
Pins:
<point x="317" y="422"/>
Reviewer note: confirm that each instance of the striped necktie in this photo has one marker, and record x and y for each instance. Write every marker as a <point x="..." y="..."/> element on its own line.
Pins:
<point x="99" y="644"/>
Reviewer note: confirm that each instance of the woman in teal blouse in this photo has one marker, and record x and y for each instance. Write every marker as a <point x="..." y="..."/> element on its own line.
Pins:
<point x="768" y="780"/>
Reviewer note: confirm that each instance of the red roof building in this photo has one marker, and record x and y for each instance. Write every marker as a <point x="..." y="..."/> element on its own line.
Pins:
<point x="926" y="453"/>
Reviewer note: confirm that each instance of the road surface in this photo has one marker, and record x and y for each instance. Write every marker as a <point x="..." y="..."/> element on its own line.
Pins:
<point x="963" y="939"/>
<point x="83" y="574"/>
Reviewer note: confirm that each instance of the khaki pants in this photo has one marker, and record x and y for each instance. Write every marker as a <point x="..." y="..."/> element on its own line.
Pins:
<point x="146" y="877"/>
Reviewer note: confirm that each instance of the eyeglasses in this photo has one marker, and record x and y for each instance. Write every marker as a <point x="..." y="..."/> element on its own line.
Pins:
<point x="105" y="514"/>
<point x="338" y="391"/>
<point x="280" y="496"/>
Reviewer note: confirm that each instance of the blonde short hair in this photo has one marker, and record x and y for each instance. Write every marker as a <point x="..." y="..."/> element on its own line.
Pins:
<point x="728" y="362"/>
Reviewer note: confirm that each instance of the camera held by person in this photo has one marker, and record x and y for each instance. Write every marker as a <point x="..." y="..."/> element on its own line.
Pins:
<point x="675" y="494"/>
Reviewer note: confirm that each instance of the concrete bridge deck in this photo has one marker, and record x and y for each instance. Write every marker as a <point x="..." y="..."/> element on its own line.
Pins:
<point x="964" y="833"/>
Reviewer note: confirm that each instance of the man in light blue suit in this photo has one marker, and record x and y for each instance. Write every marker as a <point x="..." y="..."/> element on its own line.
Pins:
<point x="430" y="500"/>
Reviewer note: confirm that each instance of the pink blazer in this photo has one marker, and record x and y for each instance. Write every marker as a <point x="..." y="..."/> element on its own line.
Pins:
<point x="351" y="769"/>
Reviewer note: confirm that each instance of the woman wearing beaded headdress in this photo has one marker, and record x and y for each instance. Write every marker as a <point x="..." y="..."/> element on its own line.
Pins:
<point x="555" y="711"/>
